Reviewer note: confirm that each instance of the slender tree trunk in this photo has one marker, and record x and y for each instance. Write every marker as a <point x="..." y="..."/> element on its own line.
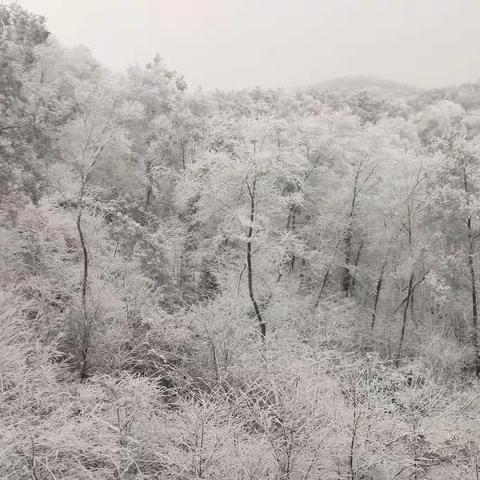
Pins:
<point x="348" y="234"/>
<point x="378" y="289"/>
<point x="473" y="280"/>
<point x="412" y="308"/>
<point x="353" y="438"/>
<point x="85" y="334"/>
<point x="410" y="241"/>
<point x="404" y="322"/>
<point x="148" y="193"/>
<point x="31" y="461"/>
<point x="410" y="289"/>
<point x="324" y="284"/>
<point x="357" y="261"/>
<point x="347" y="238"/>
<point x="347" y="277"/>
<point x="183" y="155"/>
<point x="326" y="277"/>
<point x="85" y="258"/>
<point x="473" y="283"/>
<point x="291" y="219"/>
<point x="294" y="214"/>
<point x="261" y="322"/>
<point x="147" y="199"/>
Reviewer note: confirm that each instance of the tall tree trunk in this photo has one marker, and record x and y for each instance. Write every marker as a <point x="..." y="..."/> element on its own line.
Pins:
<point x="473" y="282"/>
<point x="148" y="193"/>
<point x="291" y="227"/>
<point x="410" y="242"/>
<point x="85" y="331"/>
<point x="261" y="322"/>
<point x="347" y="240"/>
<point x="294" y="214"/>
<point x="83" y="244"/>
<point x="378" y="288"/>
<point x="404" y="321"/>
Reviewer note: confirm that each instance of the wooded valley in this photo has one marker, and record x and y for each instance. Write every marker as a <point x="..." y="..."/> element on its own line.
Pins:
<point x="234" y="285"/>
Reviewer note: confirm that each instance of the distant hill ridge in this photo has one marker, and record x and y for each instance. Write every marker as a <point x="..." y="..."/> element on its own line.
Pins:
<point x="364" y="83"/>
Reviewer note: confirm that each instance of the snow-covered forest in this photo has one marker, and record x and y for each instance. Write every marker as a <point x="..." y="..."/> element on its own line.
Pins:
<point x="261" y="284"/>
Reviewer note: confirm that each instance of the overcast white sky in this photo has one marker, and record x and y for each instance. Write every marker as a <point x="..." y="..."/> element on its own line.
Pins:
<point x="243" y="43"/>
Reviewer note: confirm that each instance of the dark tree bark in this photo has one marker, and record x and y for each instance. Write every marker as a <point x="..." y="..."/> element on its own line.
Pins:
<point x="404" y="320"/>
<point x="261" y="322"/>
<point x="85" y="330"/>
<point x="83" y="244"/>
<point x="410" y="243"/>
<point x="147" y="199"/>
<point x="293" y="226"/>
<point x="324" y="284"/>
<point x="378" y="289"/>
<point x="148" y="192"/>
<point x="473" y="281"/>
<point x="85" y="326"/>
<point x="475" y="342"/>
<point x="358" y="186"/>
<point x="347" y="237"/>
<point x="347" y="240"/>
